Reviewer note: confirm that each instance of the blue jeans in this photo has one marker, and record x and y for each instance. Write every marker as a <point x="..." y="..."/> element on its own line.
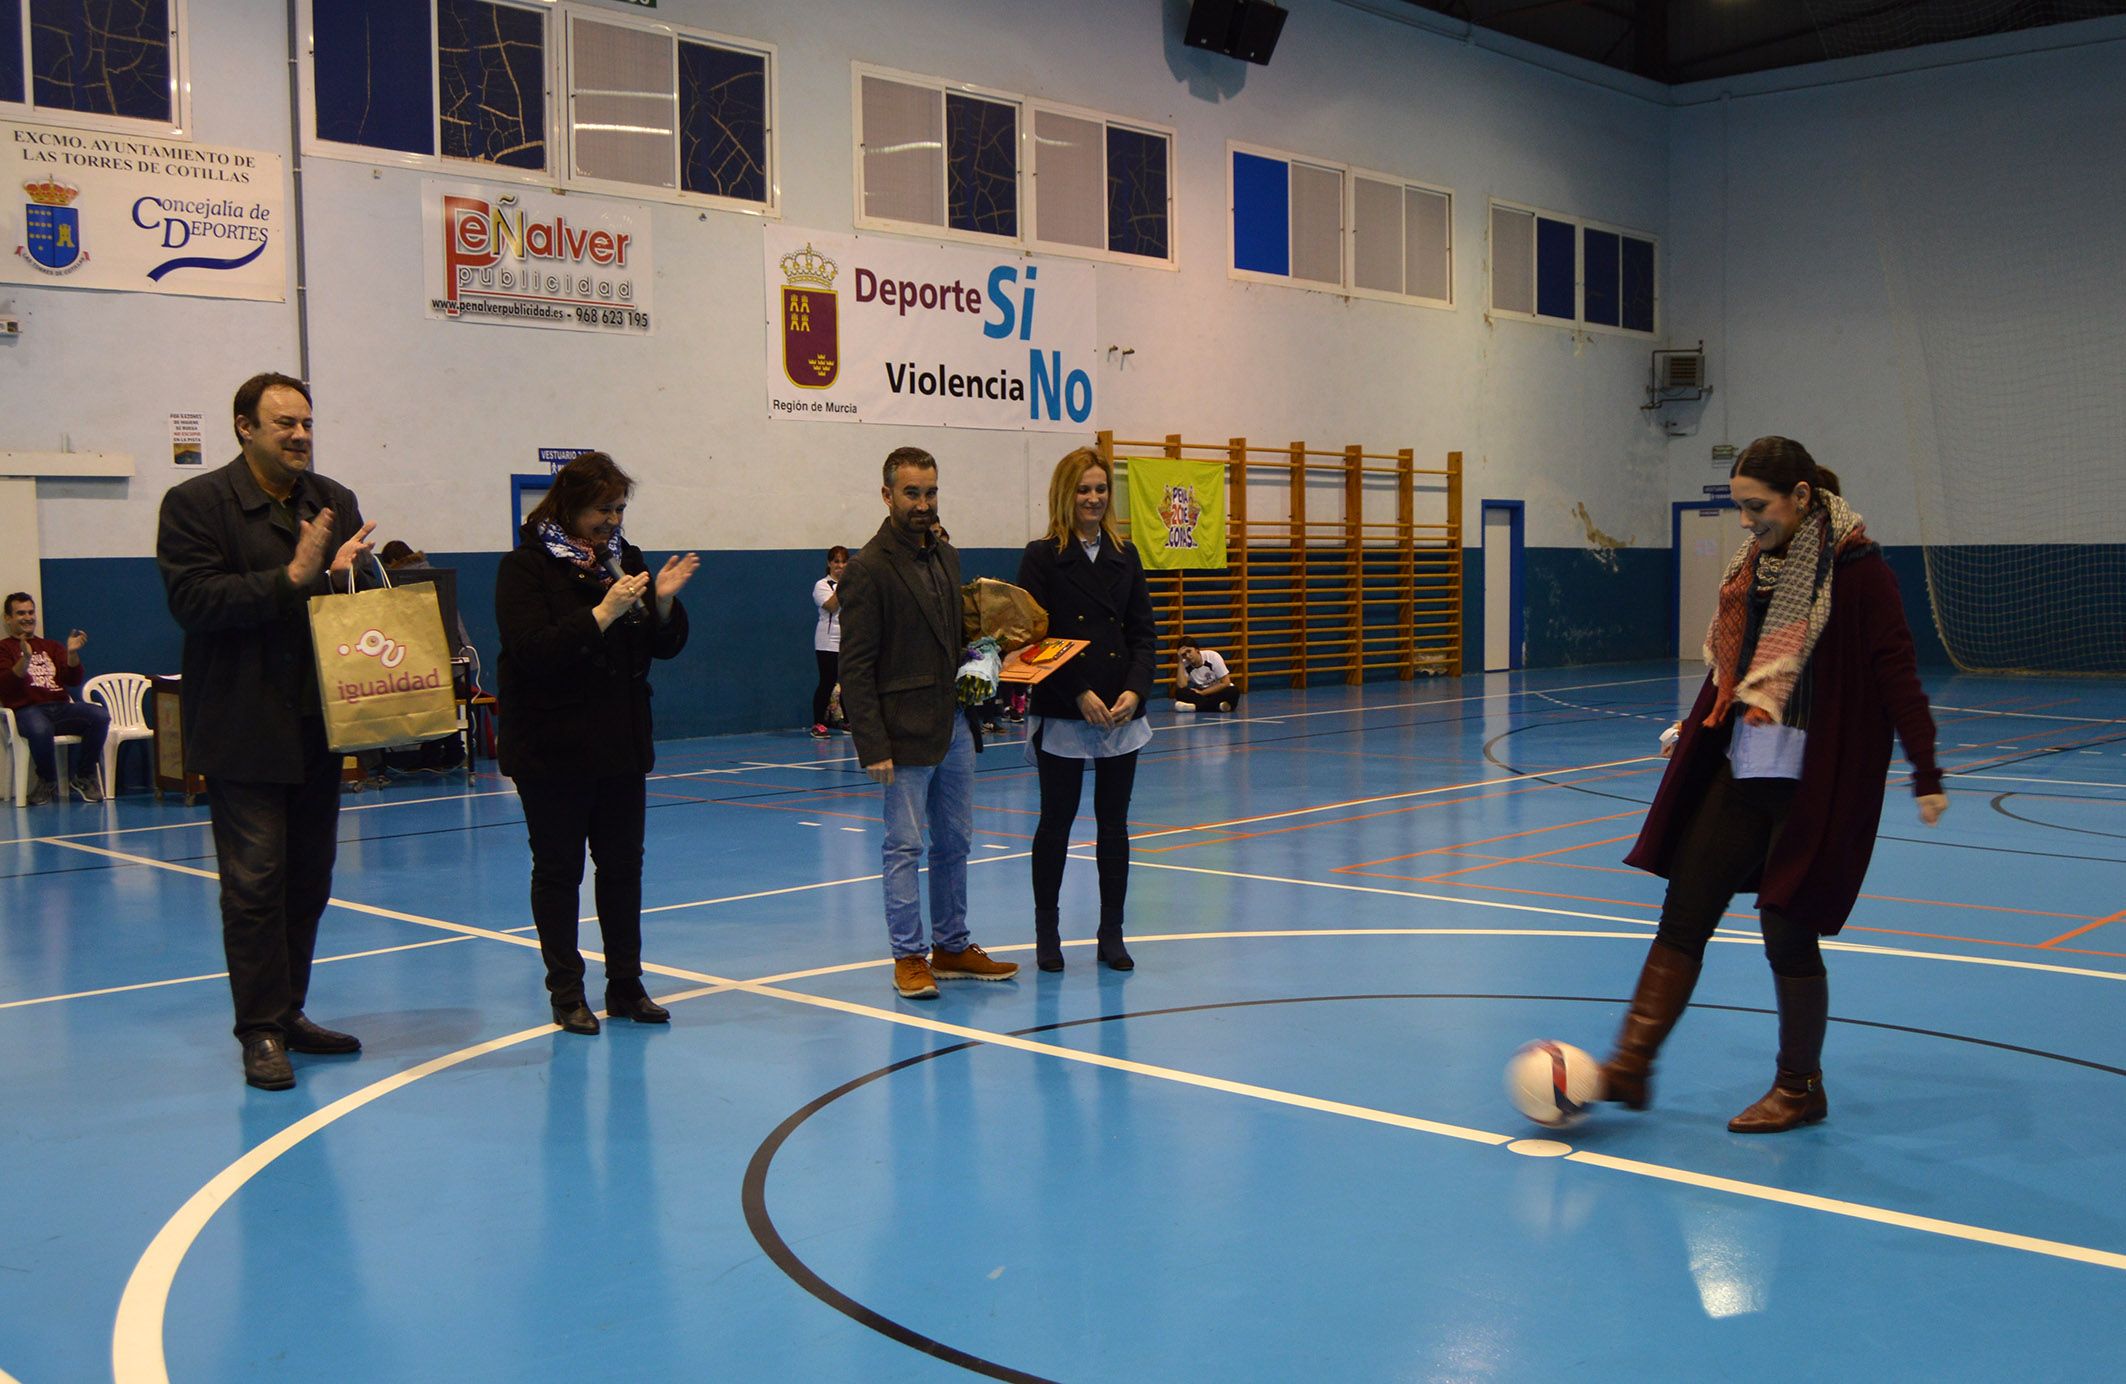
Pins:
<point x="40" y="721"/>
<point x="941" y="795"/>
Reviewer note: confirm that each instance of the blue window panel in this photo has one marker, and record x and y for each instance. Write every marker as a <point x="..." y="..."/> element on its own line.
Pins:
<point x="492" y="60"/>
<point x="1262" y="214"/>
<point x="723" y="122"/>
<point x="1554" y="268"/>
<point x="981" y="165"/>
<point x="1136" y="193"/>
<point x="102" y="57"/>
<point x="1638" y="280"/>
<point x="11" y="50"/>
<point x="375" y="75"/>
<point x="1598" y="265"/>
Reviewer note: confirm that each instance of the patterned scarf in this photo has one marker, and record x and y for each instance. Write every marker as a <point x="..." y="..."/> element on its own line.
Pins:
<point x="1800" y="582"/>
<point x="574" y="550"/>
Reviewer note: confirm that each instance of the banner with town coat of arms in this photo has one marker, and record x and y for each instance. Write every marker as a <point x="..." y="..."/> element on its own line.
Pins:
<point x="874" y="329"/>
<point x="92" y="209"/>
<point x="1176" y="512"/>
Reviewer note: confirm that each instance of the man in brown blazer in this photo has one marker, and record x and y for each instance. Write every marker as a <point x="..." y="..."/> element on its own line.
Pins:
<point x="900" y="660"/>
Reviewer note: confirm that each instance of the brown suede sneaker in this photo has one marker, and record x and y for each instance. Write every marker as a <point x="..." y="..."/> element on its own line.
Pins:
<point x="912" y="978"/>
<point x="971" y="964"/>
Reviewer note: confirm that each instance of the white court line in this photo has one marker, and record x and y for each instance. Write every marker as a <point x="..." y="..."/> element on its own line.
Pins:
<point x="2033" y="716"/>
<point x="2055" y="782"/>
<point x="137" y="1355"/>
<point x="1828" y="944"/>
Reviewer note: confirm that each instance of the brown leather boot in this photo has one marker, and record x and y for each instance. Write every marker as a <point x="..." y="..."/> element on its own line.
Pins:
<point x="1665" y="985"/>
<point x="1796" y="1097"/>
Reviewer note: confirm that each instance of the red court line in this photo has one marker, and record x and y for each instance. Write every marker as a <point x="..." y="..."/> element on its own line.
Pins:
<point x="2091" y="926"/>
<point x="1526" y="859"/>
<point x="1341" y="821"/>
<point x="1486" y="840"/>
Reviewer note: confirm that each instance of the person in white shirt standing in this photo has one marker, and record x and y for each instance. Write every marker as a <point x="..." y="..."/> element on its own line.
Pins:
<point x="827" y="636"/>
<point x="1204" y="680"/>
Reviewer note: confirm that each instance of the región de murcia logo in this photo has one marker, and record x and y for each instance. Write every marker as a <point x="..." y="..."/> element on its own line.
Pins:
<point x="811" y="341"/>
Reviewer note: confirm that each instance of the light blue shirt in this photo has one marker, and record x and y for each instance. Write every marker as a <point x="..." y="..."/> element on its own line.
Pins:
<point x="1765" y="751"/>
<point x="1084" y="740"/>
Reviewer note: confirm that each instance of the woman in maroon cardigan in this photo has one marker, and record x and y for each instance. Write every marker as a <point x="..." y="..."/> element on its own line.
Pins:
<point x="1776" y="777"/>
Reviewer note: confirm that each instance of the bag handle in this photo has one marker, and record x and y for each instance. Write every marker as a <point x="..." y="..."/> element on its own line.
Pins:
<point x="381" y="571"/>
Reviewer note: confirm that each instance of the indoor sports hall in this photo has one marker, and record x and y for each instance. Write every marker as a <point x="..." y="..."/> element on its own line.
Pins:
<point x="1421" y="343"/>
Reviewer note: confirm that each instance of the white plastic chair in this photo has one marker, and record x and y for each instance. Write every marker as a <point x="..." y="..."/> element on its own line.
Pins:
<point x="18" y="753"/>
<point x="124" y="695"/>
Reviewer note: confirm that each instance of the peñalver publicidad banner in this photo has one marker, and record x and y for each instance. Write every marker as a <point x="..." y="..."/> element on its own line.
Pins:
<point x="138" y="213"/>
<point x="872" y="329"/>
<point x="525" y="257"/>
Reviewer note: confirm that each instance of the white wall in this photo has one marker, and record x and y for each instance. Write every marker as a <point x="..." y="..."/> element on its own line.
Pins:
<point x="1902" y="267"/>
<point x="427" y="418"/>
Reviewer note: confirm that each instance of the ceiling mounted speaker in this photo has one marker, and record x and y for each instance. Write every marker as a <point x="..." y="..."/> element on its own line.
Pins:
<point x="1244" y="29"/>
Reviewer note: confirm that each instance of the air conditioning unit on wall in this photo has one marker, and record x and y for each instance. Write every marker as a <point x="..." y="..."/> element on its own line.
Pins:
<point x="1678" y="377"/>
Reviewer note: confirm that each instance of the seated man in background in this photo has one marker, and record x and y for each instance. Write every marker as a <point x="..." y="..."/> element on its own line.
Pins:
<point x="1204" y="680"/>
<point x="34" y="676"/>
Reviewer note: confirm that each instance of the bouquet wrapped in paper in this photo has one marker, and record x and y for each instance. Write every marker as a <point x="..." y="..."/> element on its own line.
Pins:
<point x="978" y="674"/>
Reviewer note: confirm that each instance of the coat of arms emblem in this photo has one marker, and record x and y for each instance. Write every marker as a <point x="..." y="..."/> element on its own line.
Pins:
<point x="811" y="340"/>
<point x="52" y="227"/>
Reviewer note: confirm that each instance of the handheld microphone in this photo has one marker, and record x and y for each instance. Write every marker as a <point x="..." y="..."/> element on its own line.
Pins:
<point x="612" y="564"/>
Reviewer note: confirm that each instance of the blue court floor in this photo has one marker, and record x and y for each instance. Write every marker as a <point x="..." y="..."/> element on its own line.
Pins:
<point x="1278" y="1150"/>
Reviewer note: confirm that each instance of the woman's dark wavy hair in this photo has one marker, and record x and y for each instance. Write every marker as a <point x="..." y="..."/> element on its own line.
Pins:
<point x="1782" y="463"/>
<point x="590" y="480"/>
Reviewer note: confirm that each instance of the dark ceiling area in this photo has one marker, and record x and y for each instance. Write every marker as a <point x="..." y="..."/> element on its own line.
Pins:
<point x="1693" y="40"/>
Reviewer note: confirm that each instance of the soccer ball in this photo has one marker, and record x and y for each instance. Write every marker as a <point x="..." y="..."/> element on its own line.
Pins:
<point x="1552" y="1083"/>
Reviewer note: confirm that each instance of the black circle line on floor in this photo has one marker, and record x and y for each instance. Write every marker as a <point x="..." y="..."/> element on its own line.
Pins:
<point x="769" y="1238"/>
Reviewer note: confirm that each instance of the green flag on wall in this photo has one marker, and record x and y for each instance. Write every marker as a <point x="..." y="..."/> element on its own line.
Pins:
<point x="1177" y="512"/>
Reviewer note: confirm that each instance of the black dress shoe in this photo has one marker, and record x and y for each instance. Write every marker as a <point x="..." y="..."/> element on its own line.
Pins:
<point x="641" y="1009"/>
<point x="576" y="1017"/>
<point x="303" y="1036"/>
<point x="266" y="1062"/>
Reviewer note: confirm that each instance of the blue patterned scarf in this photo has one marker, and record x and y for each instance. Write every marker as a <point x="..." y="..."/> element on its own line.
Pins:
<point x="570" y="549"/>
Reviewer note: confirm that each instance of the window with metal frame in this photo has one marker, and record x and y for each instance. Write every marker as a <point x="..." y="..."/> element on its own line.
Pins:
<point x="1571" y="272"/>
<point x="1288" y="218"/>
<point x="1317" y="224"/>
<point x="582" y="96"/>
<point x="993" y="165"/>
<point x="108" y="60"/>
<point x="1402" y="239"/>
<point x="1101" y="185"/>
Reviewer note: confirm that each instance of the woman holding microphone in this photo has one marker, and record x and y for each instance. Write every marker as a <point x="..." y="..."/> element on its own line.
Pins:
<point x="581" y="618"/>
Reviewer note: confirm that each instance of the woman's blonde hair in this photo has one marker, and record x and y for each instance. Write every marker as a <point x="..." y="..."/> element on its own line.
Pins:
<point x="1063" y="498"/>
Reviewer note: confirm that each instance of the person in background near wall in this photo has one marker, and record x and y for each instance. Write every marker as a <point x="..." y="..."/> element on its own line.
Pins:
<point x="34" y="676"/>
<point x="1204" y="680"/>
<point x="581" y="618"/>
<point x="827" y="637"/>
<point x="1776" y="776"/>
<point x="1090" y="710"/>
<point x="242" y="550"/>
<point x="900" y="665"/>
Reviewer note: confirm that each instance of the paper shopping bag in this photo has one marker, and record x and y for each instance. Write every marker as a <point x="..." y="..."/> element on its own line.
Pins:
<point x="383" y="667"/>
<point x="1003" y="612"/>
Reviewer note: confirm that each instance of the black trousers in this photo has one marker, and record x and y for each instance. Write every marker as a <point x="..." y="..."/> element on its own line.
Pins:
<point x="1730" y="837"/>
<point x="562" y="816"/>
<point x="1062" y="785"/>
<point x="1228" y="697"/>
<point x="829" y="670"/>
<point x="274" y="844"/>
